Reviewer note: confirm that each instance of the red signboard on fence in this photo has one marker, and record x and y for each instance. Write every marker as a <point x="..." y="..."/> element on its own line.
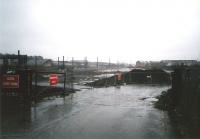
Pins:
<point x="53" y="79"/>
<point x="10" y="81"/>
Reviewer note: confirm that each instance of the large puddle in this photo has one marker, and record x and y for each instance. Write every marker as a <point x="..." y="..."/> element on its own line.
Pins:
<point x="103" y="113"/>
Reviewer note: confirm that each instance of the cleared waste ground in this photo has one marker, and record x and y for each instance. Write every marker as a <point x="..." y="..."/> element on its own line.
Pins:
<point x="100" y="113"/>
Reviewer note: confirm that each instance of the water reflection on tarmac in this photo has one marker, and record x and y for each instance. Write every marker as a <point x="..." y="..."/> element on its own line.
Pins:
<point x="101" y="113"/>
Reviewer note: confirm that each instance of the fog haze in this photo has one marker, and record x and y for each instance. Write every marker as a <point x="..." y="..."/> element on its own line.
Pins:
<point x="124" y="30"/>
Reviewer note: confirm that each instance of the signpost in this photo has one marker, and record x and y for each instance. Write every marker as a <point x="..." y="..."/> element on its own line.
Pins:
<point x="53" y="79"/>
<point x="10" y="81"/>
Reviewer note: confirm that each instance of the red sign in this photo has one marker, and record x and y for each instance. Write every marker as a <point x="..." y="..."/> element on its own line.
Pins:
<point x="53" y="79"/>
<point x="10" y="81"/>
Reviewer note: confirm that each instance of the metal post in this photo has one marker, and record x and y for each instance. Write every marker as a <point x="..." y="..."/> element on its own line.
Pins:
<point x="58" y="62"/>
<point x="64" y="84"/>
<point x="35" y="62"/>
<point x="19" y="62"/>
<point x="35" y="87"/>
<point x="26" y="60"/>
<point x="35" y="90"/>
<point x="97" y="63"/>
<point x="72" y="61"/>
<point x="86" y="62"/>
<point x="109" y="62"/>
<point x="63" y="62"/>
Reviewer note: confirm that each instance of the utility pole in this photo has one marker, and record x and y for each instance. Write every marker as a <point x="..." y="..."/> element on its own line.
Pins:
<point x="71" y="75"/>
<point x="109" y="63"/>
<point x="58" y="62"/>
<point x="97" y="63"/>
<point x="19" y="60"/>
<point x="86" y="62"/>
<point x="63" y="63"/>
<point x="36" y="63"/>
<point x="117" y="65"/>
<point x="36" y="76"/>
<point x="72" y="61"/>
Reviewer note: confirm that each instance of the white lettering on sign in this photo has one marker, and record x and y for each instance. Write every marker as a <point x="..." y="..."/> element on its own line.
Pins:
<point x="10" y="81"/>
<point x="14" y="84"/>
<point x="53" y="79"/>
<point x="10" y="78"/>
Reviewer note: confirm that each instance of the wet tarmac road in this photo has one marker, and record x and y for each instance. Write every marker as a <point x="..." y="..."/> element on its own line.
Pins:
<point x="102" y="113"/>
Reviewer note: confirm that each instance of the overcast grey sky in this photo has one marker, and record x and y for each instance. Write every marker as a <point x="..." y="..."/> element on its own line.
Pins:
<point x="124" y="30"/>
